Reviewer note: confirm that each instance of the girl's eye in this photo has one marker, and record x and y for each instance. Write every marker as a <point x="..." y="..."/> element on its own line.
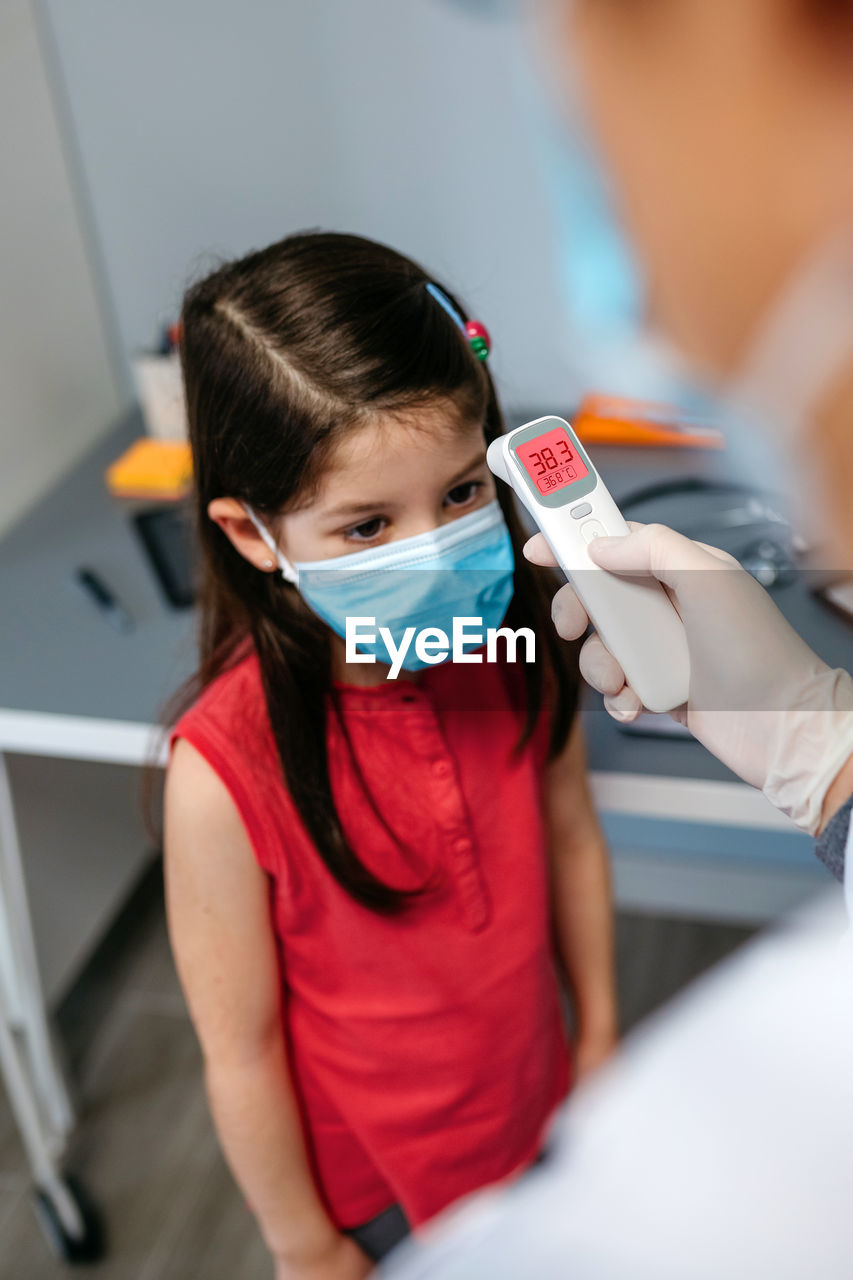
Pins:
<point x="461" y="494"/>
<point x="366" y="531"/>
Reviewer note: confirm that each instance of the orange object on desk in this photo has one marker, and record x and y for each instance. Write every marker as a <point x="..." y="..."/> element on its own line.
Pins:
<point x="159" y="469"/>
<point x="603" y="419"/>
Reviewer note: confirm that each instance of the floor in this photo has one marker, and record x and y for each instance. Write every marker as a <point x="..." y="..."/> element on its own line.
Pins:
<point x="146" y="1149"/>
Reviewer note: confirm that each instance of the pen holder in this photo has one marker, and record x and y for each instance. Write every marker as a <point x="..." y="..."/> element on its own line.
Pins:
<point x="161" y="395"/>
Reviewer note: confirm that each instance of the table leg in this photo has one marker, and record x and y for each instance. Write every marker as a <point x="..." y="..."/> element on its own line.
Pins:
<point x="35" y="1081"/>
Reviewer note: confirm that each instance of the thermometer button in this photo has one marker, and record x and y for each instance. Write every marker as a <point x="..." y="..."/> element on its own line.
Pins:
<point x="581" y="510"/>
<point x="592" y="529"/>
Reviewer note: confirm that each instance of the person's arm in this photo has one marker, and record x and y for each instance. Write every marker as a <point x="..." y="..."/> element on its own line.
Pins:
<point x="836" y="817"/>
<point x="838" y="795"/>
<point x="582" y="905"/>
<point x="224" y="947"/>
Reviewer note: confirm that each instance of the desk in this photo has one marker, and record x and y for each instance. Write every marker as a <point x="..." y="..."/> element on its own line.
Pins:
<point x="687" y="836"/>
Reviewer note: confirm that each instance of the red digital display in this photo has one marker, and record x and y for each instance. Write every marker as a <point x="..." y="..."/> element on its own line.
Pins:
<point x="551" y="461"/>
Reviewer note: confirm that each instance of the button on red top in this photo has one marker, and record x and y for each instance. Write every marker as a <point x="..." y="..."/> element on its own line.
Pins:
<point x="428" y="1048"/>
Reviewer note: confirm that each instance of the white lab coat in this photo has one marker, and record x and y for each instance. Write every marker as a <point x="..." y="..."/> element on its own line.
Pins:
<point x="720" y="1144"/>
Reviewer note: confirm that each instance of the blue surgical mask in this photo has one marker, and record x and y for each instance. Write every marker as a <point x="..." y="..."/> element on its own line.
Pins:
<point x="462" y="569"/>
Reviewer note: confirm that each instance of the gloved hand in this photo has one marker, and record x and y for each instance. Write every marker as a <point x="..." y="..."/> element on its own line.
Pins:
<point x="760" y="700"/>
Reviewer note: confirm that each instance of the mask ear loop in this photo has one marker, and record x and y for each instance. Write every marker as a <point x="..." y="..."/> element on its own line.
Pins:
<point x="288" y="572"/>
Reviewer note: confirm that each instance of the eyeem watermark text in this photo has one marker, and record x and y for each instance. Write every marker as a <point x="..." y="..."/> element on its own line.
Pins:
<point x="432" y="644"/>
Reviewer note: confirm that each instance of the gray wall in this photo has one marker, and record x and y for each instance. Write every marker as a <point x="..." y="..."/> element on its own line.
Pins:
<point x="58" y="389"/>
<point x="212" y="126"/>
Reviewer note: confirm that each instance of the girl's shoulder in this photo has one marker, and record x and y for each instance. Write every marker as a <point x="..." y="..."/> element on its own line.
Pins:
<point x="234" y="697"/>
<point x="228" y="726"/>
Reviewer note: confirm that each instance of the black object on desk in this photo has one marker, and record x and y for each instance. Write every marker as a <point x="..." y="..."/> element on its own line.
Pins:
<point x="99" y="593"/>
<point x="741" y="519"/>
<point x="167" y="536"/>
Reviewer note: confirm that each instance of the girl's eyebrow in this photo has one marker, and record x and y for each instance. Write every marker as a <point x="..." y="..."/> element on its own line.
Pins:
<point x="479" y="460"/>
<point x="350" y="509"/>
<point x="356" y="508"/>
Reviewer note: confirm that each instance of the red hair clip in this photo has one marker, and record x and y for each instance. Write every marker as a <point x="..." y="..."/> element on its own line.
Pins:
<point x="478" y="336"/>
<point x="476" y="332"/>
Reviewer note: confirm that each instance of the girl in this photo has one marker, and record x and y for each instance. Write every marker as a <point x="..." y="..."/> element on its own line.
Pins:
<point x="358" y="868"/>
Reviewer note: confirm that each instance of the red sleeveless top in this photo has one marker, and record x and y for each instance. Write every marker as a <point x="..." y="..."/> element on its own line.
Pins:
<point x="427" y="1049"/>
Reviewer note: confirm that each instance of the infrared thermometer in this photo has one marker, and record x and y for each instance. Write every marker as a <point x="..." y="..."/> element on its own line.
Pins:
<point x="551" y="472"/>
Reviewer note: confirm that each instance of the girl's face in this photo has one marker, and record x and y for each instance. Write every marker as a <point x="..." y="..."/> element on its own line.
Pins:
<point x="397" y="477"/>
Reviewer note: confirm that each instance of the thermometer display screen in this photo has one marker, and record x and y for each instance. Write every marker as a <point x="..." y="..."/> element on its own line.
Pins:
<point x="551" y="461"/>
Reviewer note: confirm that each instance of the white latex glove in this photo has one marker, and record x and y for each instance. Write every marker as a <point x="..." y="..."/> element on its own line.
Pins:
<point x="760" y="700"/>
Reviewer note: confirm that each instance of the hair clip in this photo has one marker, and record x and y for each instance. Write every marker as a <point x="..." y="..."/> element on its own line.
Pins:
<point x="476" y="332"/>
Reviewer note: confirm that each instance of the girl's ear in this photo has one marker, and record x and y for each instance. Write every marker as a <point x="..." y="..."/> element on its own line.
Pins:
<point x="231" y="517"/>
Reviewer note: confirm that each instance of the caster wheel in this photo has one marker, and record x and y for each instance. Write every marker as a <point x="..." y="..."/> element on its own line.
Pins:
<point x="83" y="1245"/>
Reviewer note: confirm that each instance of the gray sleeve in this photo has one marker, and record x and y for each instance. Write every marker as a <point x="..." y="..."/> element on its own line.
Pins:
<point x="832" y="842"/>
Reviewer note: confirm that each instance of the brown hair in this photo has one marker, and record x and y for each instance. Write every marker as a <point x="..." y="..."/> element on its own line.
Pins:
<point x="283" y="352"/>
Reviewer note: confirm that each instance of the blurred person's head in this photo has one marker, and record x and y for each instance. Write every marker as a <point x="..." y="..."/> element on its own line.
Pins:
<point x="727" y="126"/>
